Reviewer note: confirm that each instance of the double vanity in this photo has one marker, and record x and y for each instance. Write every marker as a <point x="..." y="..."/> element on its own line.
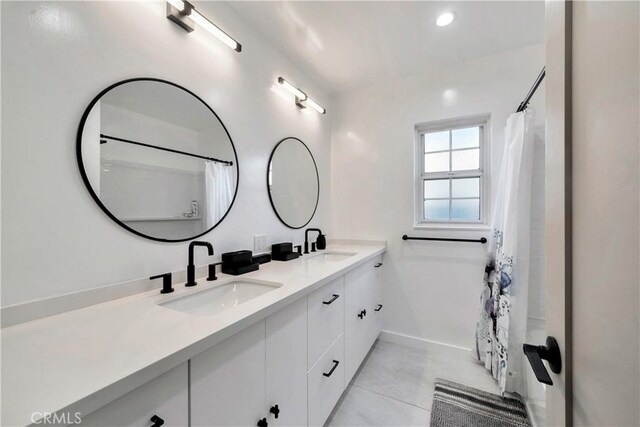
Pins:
<point x="274" y="344"/>
<point x="273" y="347"/>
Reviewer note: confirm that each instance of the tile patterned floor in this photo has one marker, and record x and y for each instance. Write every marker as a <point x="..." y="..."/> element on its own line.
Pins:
<point x="394" y="386"/>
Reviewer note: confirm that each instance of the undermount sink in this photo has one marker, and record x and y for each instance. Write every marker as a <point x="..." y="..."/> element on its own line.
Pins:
<point x="331" y="256"/>
<point x="220" y="298"/>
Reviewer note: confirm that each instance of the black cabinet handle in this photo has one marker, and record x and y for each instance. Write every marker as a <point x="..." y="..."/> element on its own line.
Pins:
<point x="550" y="352"/>
<point x="335" y="297"/>
<point x="360" y="315"/>
<point x="275" y="411"/>
<point x="378" y="265"/>
<point x="157" y="421"/>
<point x="379" y="308"/>
<point x="335" y="365"/>
<point x="263" y="423"/>
<point x="364" y="312"/>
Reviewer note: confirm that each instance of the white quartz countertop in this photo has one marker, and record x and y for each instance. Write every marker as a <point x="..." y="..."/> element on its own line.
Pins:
<point x="84" y="359"/>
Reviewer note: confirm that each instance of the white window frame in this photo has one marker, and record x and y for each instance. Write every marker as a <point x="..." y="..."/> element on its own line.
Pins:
<point x="482" y="121"/>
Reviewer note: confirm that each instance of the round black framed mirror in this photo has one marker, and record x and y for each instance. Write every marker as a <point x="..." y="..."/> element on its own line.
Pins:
<point x="293" y="182"/>
<point x="157" y="159"/>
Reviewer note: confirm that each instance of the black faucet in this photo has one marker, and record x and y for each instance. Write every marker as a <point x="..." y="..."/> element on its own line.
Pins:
<point x="191" y="268"/>
<point x="306" y="238"/>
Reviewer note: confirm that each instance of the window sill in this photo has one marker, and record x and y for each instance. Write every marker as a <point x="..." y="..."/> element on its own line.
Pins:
<point x="453" y="227"/>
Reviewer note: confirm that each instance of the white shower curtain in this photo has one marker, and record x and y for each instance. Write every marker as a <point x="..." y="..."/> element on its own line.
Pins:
<point x="501" y="329"/>
<point x="218" y="191"/>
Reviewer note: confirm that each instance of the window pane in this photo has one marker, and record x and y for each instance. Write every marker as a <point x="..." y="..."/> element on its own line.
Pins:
<point x="465" y="209"/>
<point x="436" y="209"/>
<point x="438" y="162"/>
<point x="436" y="189"/>
<point x="465" y="160"/>
<point x="437" y="141"/>
<point x="465" y="138"/>
<point x="467" y="187"/>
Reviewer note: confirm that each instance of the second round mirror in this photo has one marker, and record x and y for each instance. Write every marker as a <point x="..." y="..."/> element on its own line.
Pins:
<point x="293" y="182"/>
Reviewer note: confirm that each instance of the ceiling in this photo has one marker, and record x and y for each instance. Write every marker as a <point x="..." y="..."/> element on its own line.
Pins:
<point x="348" y="44"/>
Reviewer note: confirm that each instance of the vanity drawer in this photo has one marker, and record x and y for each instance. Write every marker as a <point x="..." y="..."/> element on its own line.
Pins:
<point x="326" y="383"/>
<point x="325" y="317"/>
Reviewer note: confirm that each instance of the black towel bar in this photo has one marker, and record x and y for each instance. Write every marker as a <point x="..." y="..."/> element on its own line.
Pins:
<point x="481" y="240"/>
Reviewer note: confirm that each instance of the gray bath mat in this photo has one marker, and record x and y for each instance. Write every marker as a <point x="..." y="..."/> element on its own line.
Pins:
<point x="456" y="405"/>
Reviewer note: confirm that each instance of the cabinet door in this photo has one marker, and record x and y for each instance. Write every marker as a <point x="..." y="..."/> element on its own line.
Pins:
<point x="287" y="365"/>
<point x="371" y="295"/>
<point x="165" y="397"/>
<point x="378" y="305"/>
<point x="326" y="318"/>
<point x="326" y="383"/>
<point x="228" y="381"/>
<point x="354" y="324"/>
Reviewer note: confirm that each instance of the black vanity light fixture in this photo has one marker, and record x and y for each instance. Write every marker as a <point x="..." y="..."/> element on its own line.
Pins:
<point x="302" y="100"/>
<point x="184" y="14"/>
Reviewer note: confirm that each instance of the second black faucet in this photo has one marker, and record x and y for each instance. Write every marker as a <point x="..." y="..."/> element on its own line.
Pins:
<point x="191" y="268"/>
<point x="321" y="241"/>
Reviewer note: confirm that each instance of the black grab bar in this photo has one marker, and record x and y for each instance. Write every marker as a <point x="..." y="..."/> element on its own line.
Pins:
<point x="481" y="240"/>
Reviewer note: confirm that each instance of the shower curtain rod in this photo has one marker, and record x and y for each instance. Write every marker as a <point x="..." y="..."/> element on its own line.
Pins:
<point x="524" y="104"/>
<point x="104" y="138"/>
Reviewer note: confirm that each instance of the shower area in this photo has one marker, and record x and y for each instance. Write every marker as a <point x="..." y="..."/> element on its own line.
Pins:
<point x="513" y="296"/>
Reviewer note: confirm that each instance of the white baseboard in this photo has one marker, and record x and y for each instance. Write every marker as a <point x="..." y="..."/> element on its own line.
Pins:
<point x="530" y="403"/>
<point x="422" y="343"/>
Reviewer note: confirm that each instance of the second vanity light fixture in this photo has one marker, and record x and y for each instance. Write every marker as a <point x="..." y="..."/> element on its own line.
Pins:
<point x="302" y="100"/>
<point x="182" y="13"/>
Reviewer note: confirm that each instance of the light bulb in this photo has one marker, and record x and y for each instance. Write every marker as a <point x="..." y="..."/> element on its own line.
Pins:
<point x="213" y="29"/>
<point x="313" y="104"/>
<point x="445" y="19"/>
<point x="291" y="88"/>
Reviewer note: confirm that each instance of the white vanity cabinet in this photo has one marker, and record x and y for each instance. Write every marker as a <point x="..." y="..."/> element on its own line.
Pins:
<point x="286" y="368"/>
<point x="362" y="323"/>
<point x="326" y="318"/>
<point x="326" y="383"/>
<point x="161" y="400"/>
<point x="255" y="375"/>
<point x="228" y="381"/>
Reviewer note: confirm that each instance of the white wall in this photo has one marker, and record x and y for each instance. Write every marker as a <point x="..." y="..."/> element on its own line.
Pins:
<point x="56" y="56"/>
<point x="432" y="289"/>
<point x="606" y="210"/>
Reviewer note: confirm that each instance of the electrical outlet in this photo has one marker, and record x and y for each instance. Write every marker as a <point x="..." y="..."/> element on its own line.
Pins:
<point x="260" y="243"/>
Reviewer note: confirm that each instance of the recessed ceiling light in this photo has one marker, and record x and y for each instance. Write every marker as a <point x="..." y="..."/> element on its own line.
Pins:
<point x="445" y="19"/>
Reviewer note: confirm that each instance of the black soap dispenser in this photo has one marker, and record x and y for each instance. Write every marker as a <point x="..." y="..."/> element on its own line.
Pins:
<point x="321" y="242"/>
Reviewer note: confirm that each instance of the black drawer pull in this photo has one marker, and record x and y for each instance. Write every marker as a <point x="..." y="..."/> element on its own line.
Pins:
<point x="378" y="265"/>
<point x="263" y="423"/>
<point x="361" y="315"/>
<point x="335" y="365"/>
<point x="157" y="421"/>
<point x="335" y="297"/>
<point x="379" y="308"/>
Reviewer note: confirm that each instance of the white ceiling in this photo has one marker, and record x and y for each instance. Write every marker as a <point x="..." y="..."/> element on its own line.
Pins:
<point x="347" y="44"/>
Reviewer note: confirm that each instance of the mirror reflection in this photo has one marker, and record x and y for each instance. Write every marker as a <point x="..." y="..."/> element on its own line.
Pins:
<point x="157" y="159"/>
<point x="293" y="182"/>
